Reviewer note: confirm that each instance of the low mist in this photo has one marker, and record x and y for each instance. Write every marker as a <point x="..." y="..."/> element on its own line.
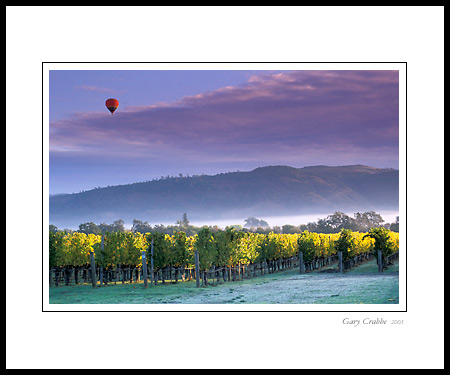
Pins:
<point x="388" y="217"/>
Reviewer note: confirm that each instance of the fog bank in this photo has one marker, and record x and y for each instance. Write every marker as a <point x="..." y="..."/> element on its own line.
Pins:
<point x="388" y="217"/>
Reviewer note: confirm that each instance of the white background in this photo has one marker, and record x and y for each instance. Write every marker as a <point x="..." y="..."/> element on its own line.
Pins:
<point x="415" y="35"/>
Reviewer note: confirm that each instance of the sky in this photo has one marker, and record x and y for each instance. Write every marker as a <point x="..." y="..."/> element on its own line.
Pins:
<point x="188" y="122"/>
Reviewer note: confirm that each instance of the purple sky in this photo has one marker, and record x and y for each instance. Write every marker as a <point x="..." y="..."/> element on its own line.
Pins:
<point x="206" y="121"/>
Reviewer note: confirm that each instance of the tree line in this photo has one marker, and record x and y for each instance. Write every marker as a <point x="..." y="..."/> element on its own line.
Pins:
<point x="360" y="222"/>
<point x="334" y="223"/>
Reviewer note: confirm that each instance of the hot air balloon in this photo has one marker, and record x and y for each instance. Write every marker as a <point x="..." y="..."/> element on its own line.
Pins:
<point x="112" y="104"/>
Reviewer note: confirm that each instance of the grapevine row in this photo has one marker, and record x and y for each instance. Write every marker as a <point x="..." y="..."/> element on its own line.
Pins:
<point x="226" y="248"/>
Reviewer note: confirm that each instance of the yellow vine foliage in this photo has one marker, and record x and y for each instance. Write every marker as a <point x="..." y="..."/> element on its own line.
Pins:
<point x="224" y="248"/>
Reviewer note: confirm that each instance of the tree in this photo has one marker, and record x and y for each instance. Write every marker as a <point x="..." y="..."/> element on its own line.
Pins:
<point x="161" y="253"/>
<point x="53" y="228"/>
<point x="141" y="227"/>
<point x="253" y="222"/>
<point x="383" y="241"/>
<point x="118" y="225"/>
<point x="368" y="220"/>
<point x="340" y="220"/>
<point x="332" y="223"/>
<point x="54" y="247"/>
<point x="179" y="249"/>
<point x="395" y="227"/>
<point x="184" y="222"/>
<point x="225" y="242"/>
<point x="89" y="228"/>
<point x="205" y="245"/>
<point x="345" y="243"/>
<point x="288" y="228"/>
<point x="307" y="243"/>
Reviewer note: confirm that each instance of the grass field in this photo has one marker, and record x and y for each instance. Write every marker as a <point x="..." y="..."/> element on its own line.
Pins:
<point x="362" y="284"/>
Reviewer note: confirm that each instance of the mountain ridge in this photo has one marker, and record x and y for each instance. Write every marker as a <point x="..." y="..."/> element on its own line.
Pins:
<point x="265" y="191"/>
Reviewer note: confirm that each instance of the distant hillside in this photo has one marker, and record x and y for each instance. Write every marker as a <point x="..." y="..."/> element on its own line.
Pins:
<point x="265" y="191"/>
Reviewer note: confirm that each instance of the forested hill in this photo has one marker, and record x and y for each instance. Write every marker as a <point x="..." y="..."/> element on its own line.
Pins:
<point x="265" y="191"/>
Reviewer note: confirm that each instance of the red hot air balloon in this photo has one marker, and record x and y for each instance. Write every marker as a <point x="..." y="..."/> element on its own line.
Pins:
<point x="112" y="105"/>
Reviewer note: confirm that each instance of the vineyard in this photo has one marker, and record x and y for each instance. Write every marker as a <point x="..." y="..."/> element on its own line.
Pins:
<point x="226" y="255"/>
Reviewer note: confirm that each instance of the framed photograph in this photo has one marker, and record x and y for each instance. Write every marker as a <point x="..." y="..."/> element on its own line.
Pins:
<point x="252" y="186"/>
<point x="224" y="187"/>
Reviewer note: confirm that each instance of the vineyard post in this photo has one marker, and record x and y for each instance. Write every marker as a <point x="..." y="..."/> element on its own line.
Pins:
<point x="380" y="261"/>
<point x="197" y="273"/>
<point x="300" y="260"/>
<point x="144" y="265"/>
<point x="341" y="268"/>
<point x="101" y="256"/>
<point x="151" y="263"/>
<point x="93" y="278"/>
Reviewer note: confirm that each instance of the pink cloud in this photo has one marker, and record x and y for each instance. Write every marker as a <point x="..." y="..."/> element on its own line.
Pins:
<point x="271" y="115"/>
<point x="96" y="89"/>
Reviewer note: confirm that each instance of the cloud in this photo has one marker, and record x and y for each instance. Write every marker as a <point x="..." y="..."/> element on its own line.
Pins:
<point x="292" y="116"/>
<point x="96" y="89"/>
